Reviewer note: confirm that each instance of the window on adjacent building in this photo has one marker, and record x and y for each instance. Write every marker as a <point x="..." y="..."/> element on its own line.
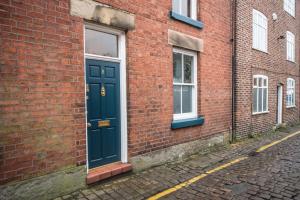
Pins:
<point x="260" y="94"/>
<point x="289" y="6"/>
<point x="260" y="31"/>
<point x="290" y="46"/>
<point x="290" y="92"/>
<point x="184" y="84"/>
<point x="187" y="8"/>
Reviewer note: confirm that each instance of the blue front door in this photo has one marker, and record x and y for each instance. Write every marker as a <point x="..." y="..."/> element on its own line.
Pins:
<point x="103" y="106"/>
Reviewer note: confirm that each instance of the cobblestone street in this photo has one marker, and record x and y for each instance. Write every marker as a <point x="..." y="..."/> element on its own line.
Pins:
<point x="270" y="174"/>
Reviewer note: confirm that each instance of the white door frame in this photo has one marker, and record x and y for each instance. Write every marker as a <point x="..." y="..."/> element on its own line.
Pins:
<point x="123" y="85"/>
<point x="279" y="103"/>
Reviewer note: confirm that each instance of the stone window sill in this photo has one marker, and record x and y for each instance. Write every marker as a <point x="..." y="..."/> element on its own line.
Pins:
<point x="291" y="107"/>
<point x="187" y="20"/>
<point x="259" y="113"/>
<point x="290" y="61"/>
<point x="259" y="50"/>
<point x="176" y="124"/>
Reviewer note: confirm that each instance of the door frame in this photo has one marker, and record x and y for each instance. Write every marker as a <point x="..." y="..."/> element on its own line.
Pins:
<point x="279" y="104"/>
<point x="123" y="84"/>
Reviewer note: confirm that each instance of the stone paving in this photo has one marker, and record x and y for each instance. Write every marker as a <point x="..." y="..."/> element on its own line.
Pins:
<point x="271" y="174"/>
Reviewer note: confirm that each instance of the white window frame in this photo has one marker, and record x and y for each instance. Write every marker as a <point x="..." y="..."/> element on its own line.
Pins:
<point x="267" y="96"/>
<point x="290" y="6"/>
<point x="290" y="85"/>
<point x="290" y="46"/>
<point x="193" y="8"/>
<point x="259" y="22"/>
<point x="194" y="112"/>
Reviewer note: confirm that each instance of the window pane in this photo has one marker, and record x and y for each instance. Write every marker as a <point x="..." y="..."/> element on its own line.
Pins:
<point x="265" y="40"/>
<point x="177" y="99"/>
<point x="254" y="100"/>
<point x="259" y="100"/>
<point x="188" y="62"/>
<point x="185" y="8"/>
<point x="260" y="82"/>
<point x="289" y="94"/>
<point x="265" y="99"/>
<point x="255" y="82"/>
<point x="186" y="99"/>
<point x="100" y="43"/>
<point x="177" y="68"/>
<point x="265" y="82"/>
<point x="255" y="36"/>
<point x="289" y="100"/>
<point x="288" y="48"/>
<point x="176" y="6"/>
<point x="255" y="17"/>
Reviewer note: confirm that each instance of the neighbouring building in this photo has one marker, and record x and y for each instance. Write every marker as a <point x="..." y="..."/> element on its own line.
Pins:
<point x="267" y="65"/>
<point x="135" y="83"/>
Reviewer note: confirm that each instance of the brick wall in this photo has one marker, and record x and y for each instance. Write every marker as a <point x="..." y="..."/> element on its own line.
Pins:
<point x="42" y="122"/>
<point x="272" y="64"/>
<point x="42" y="118"/>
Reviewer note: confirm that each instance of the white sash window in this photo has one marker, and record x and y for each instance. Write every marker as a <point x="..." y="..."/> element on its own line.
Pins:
<point x="260" y="31"/>
<point x="290" y="46"/>
<point x="260" y="94"/>
<point x="290" y="92"/>
<point x="184" y="84"/>
<point x="289" y="6"/>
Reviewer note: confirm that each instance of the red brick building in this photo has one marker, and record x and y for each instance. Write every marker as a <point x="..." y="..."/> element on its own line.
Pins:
<point x="267" y="65"/>
<point x="89" y="83"/>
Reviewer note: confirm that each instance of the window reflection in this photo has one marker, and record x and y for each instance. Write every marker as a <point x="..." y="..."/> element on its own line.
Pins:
<point x="100" y="43"/>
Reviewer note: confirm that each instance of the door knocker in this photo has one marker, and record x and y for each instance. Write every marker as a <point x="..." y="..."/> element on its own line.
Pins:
<point x="103" y="91"/>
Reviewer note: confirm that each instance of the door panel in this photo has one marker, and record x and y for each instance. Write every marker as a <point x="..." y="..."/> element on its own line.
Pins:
<point x="94" y="101"/>
<point x="95" y="138"/>
<point x="110" y="110"/>
<point x="109" y="149"/>
<point x="103" y="105"/>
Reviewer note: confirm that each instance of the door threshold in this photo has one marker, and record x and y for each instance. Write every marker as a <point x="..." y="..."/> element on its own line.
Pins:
<point x="107" y="171"/>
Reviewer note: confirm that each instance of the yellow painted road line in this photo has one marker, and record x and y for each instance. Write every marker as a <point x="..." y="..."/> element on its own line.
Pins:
<point x="276" y="142"/>
<point x="201" y="176"/>
<point x="226" y="165"/>
<point x="195" y="179"/>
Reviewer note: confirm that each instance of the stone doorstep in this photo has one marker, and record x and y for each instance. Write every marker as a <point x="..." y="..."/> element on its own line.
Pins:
<point x="106" y="171"/>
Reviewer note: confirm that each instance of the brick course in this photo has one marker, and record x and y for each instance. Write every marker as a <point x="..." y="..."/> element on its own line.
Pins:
<point x="42" y="106"/>
<point x="272" y="64"/>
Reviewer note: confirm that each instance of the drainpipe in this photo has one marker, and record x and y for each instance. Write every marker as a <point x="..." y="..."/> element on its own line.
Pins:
<point x="233" y="61"/>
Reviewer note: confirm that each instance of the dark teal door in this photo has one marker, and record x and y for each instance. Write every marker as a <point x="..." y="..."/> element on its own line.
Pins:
<point x="103" y="106"/>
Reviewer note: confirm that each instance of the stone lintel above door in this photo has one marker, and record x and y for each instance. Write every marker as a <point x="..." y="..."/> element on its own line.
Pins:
<point x="102" y="14"/>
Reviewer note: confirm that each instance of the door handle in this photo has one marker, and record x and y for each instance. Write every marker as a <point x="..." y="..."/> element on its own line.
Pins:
<point x="104" y="123"/>
<point x="89" y="125"/>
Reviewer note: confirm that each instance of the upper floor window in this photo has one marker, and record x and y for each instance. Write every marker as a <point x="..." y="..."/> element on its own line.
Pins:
<point x="260" y="31"/>
<point x="260" y="94"/>
<point x="187" y="8"/>
<point x="289" y="6"/>
<point x="290" y="92"/>
<point x="184" y="84"/>
<point x="290" y="46"/>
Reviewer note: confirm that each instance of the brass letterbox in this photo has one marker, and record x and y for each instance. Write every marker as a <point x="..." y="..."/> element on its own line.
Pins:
<point x="104" y="123"/>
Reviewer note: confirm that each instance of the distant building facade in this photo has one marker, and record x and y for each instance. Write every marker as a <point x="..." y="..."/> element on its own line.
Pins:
<point x="267" y="65"/>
